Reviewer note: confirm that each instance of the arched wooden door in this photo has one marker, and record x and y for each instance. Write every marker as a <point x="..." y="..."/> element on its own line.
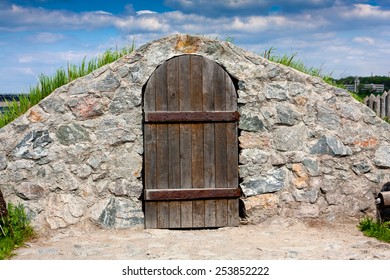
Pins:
<point x="190" y="146"/>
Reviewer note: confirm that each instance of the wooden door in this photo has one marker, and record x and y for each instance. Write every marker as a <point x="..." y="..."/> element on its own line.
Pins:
<point x="191" y="146"/>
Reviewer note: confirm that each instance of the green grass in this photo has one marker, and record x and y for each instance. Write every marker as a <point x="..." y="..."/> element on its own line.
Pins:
<point x="15" y="229"/>
<point x="375" y="229"/>
<point x="47" y="84"/>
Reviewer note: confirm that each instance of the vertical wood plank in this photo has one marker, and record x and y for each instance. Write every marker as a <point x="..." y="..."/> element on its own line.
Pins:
<point x="173" y="129"/>
<point x="185" y="138"/>
<point x="232" y="213"/>
<point x="174" y="214"/>
<point x="196" y="92"/>
<point x="163" y="214"/>
<point x="232" y="155"/>
<point x="150" y="140"/>
<point x="198" y="213"/>
<point x="209" y="142"/>
<point x="220" y="128"/>
<point x="150" y="173"/>
<point x="210" y="213"/>
<point x="162" y="158"/>
<point x="219" y="88"/>
<point x="150" y="214"/>
<point x="150" y="154"/>
<point x="162" y="129"/>
<point x="162" y="147"/>
<point x="184" y="85"/>
<point x="209" y="139"/>
<point x="185" y="129"/>
<point x="150" y="95"/>
<point x="220" y="145"/>
<point x="222" y="212"/>
<point x="231" y="95"/>
<point x="196" y="83"/>
<point x="231" y="136"/>
<point x="186" y="214"/>
<point x="174" y="141"/>
<point x="197" y="158"/>
<point x="220" y="155"/>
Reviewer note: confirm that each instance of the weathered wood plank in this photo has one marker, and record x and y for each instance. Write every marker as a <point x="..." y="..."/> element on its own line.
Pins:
<point x="210" y="213"/>
<point x="209" y="142"/>
<point x="208" y="85"/>
<point x="150" y="214"/>
<point x="162" y="129"/>
<point x="185" y="139"/>
<point x="173" y="129"/>
<point x="220" y="155"/>
<point x="198" y="213"/>
<point x="184" y="84"/>
<point x="186" y="214"/>
<point x="150" y="95"/>
<point x="185" y="156"/>
<point x="232" y="213"/>
<point x="162" y="148"/>
<point x="231" y="95"/>
<point x="219" y="89"/>
<point x="209" y="155"/>
<point x="174" y="214"/>
<point x="150" y="138"/>
<point x="173" y="85"/>
<point x="222" y="213"/>
<point x="162" y="157"/>
<point x="197" y="156"/>
<point x="174" y="156"/>
<point x="231" y="155"/>
<point x="150" y="153"/>
<point x="163" y="214"/>
<point x="174" y="141"/>
<point x="196" y="88"/>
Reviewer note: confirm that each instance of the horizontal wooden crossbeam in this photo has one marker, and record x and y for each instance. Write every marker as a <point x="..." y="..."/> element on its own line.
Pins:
<point x="191" y="116"/>
<point x="190" y="194"/>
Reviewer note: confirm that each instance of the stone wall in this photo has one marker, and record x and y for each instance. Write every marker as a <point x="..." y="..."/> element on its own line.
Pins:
<point x="307" y="149"/>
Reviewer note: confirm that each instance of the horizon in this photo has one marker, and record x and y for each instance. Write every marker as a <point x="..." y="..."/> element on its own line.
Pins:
<point x="342" y="38"/>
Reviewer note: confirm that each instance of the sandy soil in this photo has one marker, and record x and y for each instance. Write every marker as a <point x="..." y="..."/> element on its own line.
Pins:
<point x="274" y="239"/>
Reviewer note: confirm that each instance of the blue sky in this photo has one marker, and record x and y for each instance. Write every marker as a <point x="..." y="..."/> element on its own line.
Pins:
<point x="342" y="37"/>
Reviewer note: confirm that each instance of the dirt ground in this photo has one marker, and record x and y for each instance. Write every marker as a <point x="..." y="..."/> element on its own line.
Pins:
<point x="276" y="239"/>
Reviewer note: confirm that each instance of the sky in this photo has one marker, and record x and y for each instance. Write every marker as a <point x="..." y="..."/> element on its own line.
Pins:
<point x="342" y="38"/>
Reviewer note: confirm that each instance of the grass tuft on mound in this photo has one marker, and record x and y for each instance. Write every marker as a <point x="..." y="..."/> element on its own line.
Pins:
<point x="371" y="228"/>
<point x="47" y="84"/>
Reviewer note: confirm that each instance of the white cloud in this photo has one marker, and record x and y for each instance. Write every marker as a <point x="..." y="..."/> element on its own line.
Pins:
<point x="25" y="71"/>
<point x="143" y="12"/>
<point x="47" y="37"/>
<point x="368" y="11"/>
<point x="364" y="40"/>
<point x="53" y="57"/>
<point x="25" y="59"/>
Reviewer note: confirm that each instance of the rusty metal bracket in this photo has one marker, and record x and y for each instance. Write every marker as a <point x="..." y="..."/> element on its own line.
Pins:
<point x="191" y="116"/>
<point x="190" y="194"/>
